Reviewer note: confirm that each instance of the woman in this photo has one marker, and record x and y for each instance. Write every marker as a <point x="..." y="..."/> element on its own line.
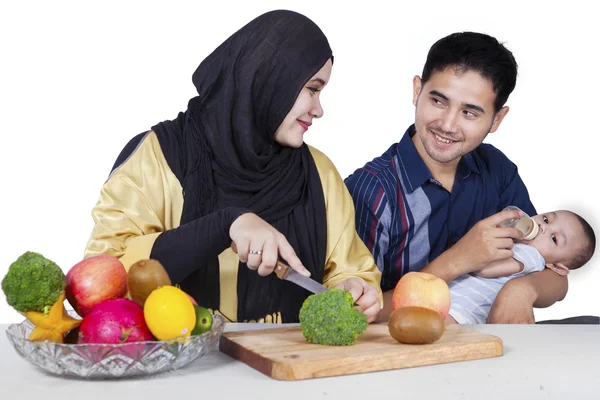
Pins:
<point x="234" y="170"/>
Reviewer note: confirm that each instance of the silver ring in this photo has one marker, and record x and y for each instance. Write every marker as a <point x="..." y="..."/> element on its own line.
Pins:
<point x="259" y="252"/>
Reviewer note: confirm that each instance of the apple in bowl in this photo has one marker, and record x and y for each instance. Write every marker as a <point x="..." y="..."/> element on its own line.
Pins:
<point x="93" y="280"/>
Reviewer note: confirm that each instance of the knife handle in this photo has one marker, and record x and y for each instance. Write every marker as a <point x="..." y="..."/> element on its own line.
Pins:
<point x="281" y="270"/>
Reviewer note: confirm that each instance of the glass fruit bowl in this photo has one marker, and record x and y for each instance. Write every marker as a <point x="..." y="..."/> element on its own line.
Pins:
<point x="93" y="361"/>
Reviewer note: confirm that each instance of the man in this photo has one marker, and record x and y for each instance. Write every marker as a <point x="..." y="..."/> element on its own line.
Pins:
<point x="432" y="201"/>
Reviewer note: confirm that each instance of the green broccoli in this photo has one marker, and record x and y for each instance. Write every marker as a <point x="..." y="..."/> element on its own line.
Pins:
<point x="329" y="318"/>
<point x="33" y="283"/>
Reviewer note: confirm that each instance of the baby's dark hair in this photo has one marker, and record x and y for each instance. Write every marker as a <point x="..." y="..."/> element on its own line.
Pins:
<point x="586" y="251"/>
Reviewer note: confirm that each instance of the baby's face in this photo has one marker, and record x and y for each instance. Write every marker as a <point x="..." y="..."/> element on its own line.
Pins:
<point x="560" y="236"/>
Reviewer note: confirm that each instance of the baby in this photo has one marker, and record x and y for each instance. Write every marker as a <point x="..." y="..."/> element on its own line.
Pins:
<point x="565" y="242"/>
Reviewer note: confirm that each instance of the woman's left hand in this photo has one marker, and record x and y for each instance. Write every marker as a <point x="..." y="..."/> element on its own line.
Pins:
<point x="364" y="295"/>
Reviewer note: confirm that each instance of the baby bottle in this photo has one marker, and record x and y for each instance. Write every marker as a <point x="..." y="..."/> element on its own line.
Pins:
<point x="525" y="224"/>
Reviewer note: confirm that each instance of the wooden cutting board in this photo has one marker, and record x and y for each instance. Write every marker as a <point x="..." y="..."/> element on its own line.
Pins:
<point x="284" y="354"/>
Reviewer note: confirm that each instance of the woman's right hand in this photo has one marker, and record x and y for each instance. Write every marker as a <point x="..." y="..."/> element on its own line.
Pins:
<point x="259" y="245"/>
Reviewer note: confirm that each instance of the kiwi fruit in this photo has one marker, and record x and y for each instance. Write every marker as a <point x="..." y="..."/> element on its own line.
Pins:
<point x="416" y="325"/>
<point x="145" y="276"/>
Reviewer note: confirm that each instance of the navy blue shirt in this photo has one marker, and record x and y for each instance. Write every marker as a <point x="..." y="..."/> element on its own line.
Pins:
<point x="407" y="219"/>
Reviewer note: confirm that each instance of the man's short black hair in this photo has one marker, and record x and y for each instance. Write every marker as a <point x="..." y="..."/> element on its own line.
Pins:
<point x="471" y="51"/>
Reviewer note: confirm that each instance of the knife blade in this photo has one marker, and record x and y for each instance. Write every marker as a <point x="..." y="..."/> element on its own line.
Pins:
<point x="287" y="273"/>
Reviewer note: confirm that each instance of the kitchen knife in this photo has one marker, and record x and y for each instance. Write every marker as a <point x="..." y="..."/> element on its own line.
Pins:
<point x="287" y="273"/>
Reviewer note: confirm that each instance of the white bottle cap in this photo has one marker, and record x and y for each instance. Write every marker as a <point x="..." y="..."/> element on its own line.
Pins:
<point x="535" y="228"/>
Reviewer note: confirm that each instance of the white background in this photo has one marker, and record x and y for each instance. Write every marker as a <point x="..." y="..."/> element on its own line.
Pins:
<point x="77" y="81"/>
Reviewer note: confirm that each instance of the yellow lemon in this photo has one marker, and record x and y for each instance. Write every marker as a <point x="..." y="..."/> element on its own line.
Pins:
<point x="169" y="313"/>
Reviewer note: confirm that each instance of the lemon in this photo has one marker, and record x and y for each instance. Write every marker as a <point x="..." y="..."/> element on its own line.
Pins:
<point x="169" y="313"/>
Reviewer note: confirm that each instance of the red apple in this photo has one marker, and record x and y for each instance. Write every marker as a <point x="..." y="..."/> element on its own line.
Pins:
<point x="422" y="289"/>
<point x="94" y="280"/>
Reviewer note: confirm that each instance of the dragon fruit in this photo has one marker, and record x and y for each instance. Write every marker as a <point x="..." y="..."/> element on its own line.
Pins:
<point x="114" y="321"/>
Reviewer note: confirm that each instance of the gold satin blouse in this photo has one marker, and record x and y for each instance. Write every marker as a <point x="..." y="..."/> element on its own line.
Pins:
<point x="143" y="198"/>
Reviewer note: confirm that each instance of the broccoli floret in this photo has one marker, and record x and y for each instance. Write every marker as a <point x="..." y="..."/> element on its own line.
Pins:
<point x="329" y="318"/>
<point x="33" y="283"/>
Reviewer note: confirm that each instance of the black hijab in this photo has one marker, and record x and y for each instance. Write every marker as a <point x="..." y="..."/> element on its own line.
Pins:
<point x="223" y="153"/>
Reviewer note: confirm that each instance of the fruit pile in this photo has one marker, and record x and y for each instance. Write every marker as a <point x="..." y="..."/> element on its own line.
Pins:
<point x="420" y="303"/>
<point x="115" y="306"/>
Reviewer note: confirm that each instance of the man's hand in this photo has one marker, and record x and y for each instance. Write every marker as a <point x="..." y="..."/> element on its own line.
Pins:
<point x="513" y="304"/>
<point x="364" y="295"/>
<point x="515" y="301"/>
<point x="486" y="242"/>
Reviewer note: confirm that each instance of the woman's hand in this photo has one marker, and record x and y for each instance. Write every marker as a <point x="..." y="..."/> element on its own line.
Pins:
<point x="365" y="296"/>
<point x="259" y="245"/>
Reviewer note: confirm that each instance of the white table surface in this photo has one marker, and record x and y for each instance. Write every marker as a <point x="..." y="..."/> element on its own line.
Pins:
<point x="539" y="362"/>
